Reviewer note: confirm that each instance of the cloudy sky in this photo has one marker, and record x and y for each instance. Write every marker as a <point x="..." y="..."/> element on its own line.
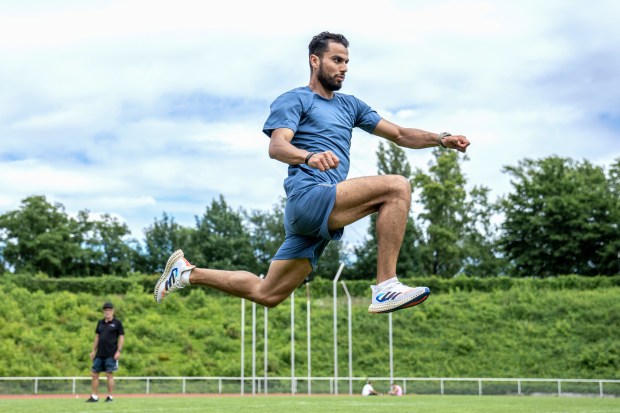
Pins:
<point x="136" y="107"/>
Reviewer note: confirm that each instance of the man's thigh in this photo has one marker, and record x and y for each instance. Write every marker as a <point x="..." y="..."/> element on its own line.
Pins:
<point x="284" y="276"/>
<point x="360" y="197"/>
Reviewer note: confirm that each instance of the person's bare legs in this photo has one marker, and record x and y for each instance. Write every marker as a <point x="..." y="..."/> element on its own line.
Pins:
<point x="390" y="196"/>
<point x="110" y="377"/>
<point x="281" y="280"/>
<point x="95" y="382"/>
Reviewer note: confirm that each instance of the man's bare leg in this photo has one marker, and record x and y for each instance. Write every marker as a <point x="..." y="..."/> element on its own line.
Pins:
<point x="281" y="280"/>
<point x="110" y="377"/>
<point x="94" y="383"/>
<point x="390" y="196"/>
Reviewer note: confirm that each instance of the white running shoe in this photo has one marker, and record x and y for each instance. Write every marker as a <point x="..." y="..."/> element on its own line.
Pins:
<point x="171" y="279"/>
<point x="396" y="296"/>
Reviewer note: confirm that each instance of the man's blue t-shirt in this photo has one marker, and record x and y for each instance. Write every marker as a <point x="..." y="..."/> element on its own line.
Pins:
<point x="319" y="125"/>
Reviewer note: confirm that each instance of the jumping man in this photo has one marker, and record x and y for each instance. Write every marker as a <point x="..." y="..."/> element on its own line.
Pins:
<point x="310" y="129"/>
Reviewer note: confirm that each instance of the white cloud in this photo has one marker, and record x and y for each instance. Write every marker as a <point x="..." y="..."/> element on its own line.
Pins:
<point x="138" y="107"/>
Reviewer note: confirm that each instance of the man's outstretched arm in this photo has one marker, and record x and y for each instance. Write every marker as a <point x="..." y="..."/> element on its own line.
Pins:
<point x="417" y="138"/>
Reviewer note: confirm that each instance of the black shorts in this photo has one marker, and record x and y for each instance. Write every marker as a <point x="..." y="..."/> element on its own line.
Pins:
<point x="107" y="364"/>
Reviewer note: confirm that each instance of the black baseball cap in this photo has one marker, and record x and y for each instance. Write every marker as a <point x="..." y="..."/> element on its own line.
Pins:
<point x="108" y="305"/>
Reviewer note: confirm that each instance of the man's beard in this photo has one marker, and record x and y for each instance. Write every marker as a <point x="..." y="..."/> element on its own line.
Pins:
<point x="328" y="83"/>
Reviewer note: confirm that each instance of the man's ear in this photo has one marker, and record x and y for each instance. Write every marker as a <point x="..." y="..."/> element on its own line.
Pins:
<point x="315" y="61"/>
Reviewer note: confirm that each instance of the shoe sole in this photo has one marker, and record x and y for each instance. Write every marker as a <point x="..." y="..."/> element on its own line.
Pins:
<point x="391" y="307"/>
<point x="177" y="255"/>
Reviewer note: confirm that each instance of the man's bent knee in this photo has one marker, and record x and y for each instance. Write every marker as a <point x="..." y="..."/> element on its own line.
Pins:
<point x="283" y="277"/>
<point x="401" y="184"/>
<point x="270" y="297"/>
<point x="271" y="301"/>
<point x="400" y="187"/>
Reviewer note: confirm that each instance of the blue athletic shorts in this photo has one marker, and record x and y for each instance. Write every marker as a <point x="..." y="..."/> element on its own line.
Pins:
<point x="107" y="364"/>
<point x="305" y="221"/>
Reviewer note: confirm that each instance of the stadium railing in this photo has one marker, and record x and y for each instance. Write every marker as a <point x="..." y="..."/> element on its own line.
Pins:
<point x="314" y="385"/>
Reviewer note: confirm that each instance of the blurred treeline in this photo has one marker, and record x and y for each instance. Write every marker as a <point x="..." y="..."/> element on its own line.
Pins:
<point x="561" y="217"/>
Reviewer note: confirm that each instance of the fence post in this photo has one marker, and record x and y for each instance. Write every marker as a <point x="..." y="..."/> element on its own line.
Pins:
<point x="391" y="347"/>
<point x="266" y="346"/>
<point x="346" y="290"/>
<point x="335" y="294"/>
<point x="559" y="388"/>
<point x="293" y="344"/>
<point x="254" y="345"/>
<point x="308" y="337"/>
<point x="242" y="346"/>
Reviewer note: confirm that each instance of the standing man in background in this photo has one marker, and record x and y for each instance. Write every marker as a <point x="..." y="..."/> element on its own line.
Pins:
<point x="109" y="340"/>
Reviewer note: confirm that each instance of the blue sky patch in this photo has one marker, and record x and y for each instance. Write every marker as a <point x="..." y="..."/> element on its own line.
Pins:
<point x="611" y="120"/>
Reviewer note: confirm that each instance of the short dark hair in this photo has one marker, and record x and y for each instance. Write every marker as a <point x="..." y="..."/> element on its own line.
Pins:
<point x="320" y="43"/>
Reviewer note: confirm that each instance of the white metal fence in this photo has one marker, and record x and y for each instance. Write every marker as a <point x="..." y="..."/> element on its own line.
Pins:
<point x="314" y="385"/>
<point x="256" y="384"/>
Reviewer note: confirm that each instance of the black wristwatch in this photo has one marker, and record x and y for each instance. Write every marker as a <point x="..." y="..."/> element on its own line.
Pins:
<point x="309" y="156"/>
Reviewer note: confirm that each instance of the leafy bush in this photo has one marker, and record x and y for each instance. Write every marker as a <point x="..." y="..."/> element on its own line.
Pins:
<point x="468" y="328"/>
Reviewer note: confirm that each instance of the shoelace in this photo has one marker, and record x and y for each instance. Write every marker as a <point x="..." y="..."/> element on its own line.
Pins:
<point x="396" y="286"/>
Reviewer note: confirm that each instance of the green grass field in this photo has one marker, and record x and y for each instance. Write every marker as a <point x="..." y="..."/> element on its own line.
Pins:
<point x="323" y="404"/>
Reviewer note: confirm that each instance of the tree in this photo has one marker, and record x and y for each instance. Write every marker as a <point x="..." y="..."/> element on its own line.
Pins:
<point x="104" y="246"/>
<point x="391" y="159"/>
<point x="562" y="218"/>
<point x="482" y="258"/>
<point x="161" y="239"/>
<point x="221" y="239"/>
<point x="613" y="176"/>
<point x="613" y="248"/>
<point x="109" y="239"/>
<point x="443" y="197"/>
<point x="266" y="234"/>
<point x="39" y="237"/>
<point x="2" y="264"/>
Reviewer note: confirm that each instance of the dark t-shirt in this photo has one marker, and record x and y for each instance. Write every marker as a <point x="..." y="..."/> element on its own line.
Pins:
<point x="108" y="337"/>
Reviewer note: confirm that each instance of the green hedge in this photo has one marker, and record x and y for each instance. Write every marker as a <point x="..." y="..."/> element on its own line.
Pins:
<point x="319" y="286"/>
<point x="530" y="328"/>
<point x="91" y="285"/>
